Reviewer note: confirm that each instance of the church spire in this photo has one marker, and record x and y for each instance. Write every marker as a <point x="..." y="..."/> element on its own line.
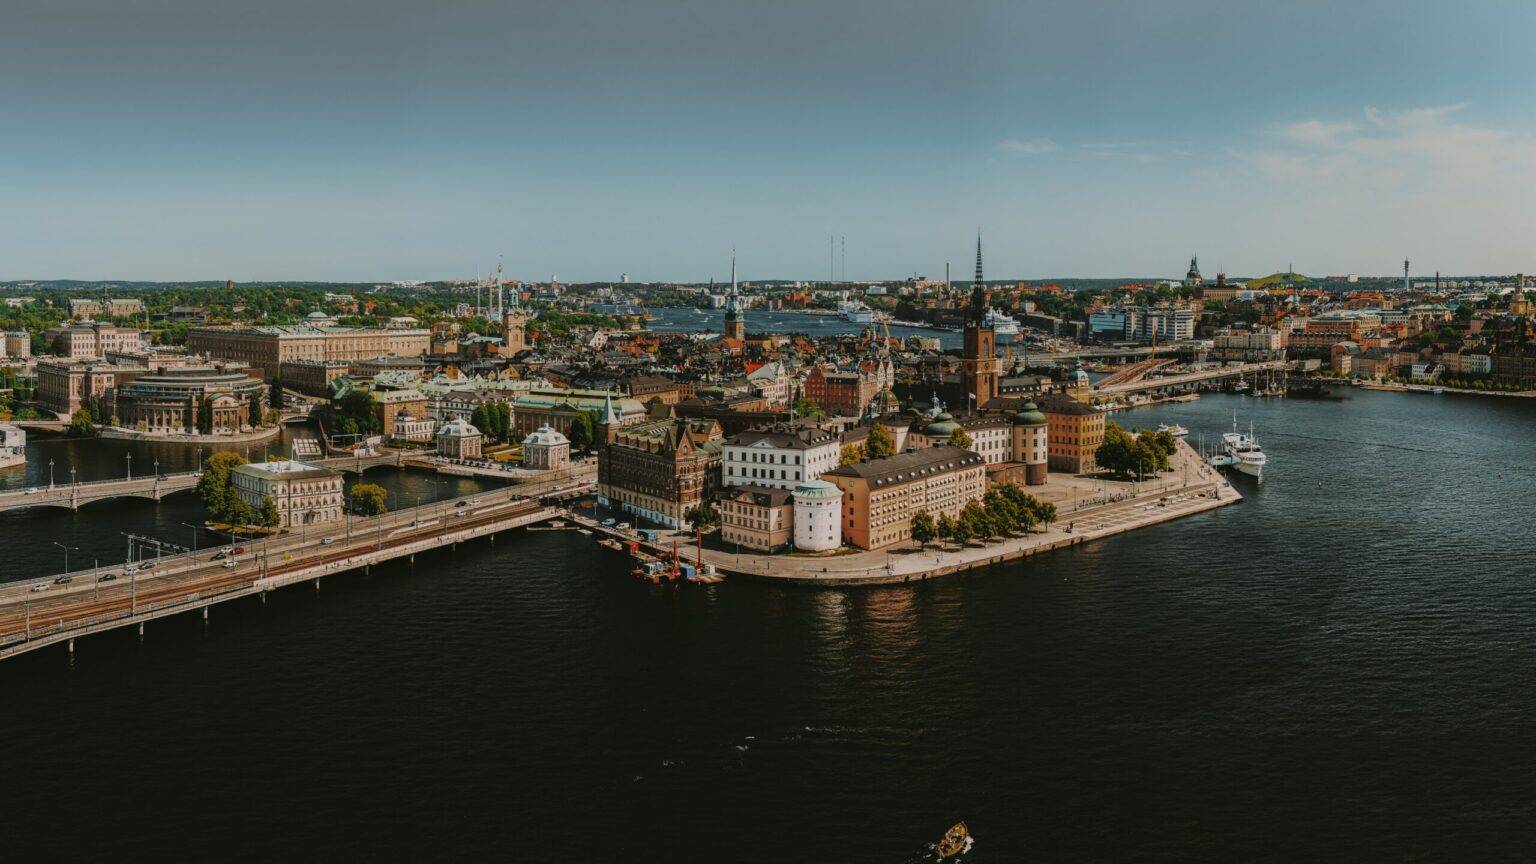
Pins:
<point x="979" y="280"/>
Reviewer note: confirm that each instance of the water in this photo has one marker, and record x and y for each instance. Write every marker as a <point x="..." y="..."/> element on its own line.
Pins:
<point x="1336" y="669"/>
<point x="687" y="320"/>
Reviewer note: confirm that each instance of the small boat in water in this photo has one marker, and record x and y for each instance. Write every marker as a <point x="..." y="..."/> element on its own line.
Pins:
<point x="1173" y="429"/>
<point x="956" y="841"/>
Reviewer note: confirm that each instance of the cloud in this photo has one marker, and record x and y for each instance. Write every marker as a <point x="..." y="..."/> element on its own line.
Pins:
<point x="1027" y="147"/>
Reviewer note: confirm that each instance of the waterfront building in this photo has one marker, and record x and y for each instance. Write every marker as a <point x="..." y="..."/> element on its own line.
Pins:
<point x="267" y="348"/>
<point x="546" y="450"/>
<point x="757" y="518"/>
<point x="1074" y="431"/>
<point x="89" y="340"/>
<point x="818" y="516"/>
<point x="658" y="470"/>
<point x="458" y="439"/>
<point x="779" y="456"/>
<point x="396" y="408"/>
<point x="65" y="386"/>
<point x="313" y="377"/>
<point x="879" y="497"/>
<point x="1259" y="345"/>
<point x="408" y="427"/>
<point x="190" y="400"/>
<point x="13" y="445"/>
<point x="1143" y="323"/>
<point x="1031" y="442"/>
<point x="305" y="494"/>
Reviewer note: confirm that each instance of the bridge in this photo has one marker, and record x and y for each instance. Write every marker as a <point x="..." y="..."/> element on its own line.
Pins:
<point x="1118" y="353"/>
<point x="89" y="602"/>
<point x="156" y="486"/>
<point x="1192" y="380"/>
<point x="1134" y="372"/>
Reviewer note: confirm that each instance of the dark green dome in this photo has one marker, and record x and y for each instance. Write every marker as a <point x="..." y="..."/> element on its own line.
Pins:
<point x="1029" y="415"/>
<point x="943" y="426"/>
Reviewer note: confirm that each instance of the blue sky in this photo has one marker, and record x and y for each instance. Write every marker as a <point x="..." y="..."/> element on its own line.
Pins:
<point x="171" y="139"/>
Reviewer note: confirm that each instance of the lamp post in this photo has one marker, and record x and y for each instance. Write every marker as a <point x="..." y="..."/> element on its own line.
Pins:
<point x="66" y="554"/>
<point x="50" y="474"/>
<point x="194" y="536"/>
<point x="129" y="457"/>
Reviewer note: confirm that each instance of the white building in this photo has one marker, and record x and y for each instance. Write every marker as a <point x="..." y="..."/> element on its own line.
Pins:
<point x="778" y="458"/>
<point x="410" y="428"/>
<point x="545" y="449"/>
<point x="458" y="439"/>
<point x="304" y="494"/>
<point x="13" y="445"/>
<point x="818" y="516"/>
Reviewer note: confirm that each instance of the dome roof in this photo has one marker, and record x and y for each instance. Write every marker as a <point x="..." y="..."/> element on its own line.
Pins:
<point x="316" y="315"/>
<point x="817" y="490"/>
<point x="943" y="426"/>
<point x="458" y="427"/>
<point x="1029" y="415"/>
<point x="546" y="436"/>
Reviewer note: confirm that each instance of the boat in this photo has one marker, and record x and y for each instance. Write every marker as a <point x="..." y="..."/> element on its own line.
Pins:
<point x="1004" y="327"/>
<point x="956" y="841"/>
<point x="1241" y="452"/>
<point x="13" y="446"/>
<point x="1241" y="387"/>
<point x="1173" y="429"/>
<point x="856" y="312"/>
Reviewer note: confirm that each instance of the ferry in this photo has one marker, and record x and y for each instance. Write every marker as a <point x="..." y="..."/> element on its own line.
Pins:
<point x="1004" y="327"/>
<point x="1241" y="453"/>
<point x="856" y="312"/>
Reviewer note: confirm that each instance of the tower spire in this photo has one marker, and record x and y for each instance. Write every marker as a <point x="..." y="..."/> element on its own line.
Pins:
<point x="978" y="257"/>
<point x="733" y="272"/>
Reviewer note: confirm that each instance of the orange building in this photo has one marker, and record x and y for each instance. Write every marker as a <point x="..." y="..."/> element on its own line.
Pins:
<point x="880" y="497"/>
<point x="1074" y="432"/>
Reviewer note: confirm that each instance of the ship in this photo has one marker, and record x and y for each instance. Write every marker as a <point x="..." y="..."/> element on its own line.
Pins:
<point x="1173" y="429"/>
<point x="1004" y="327"/>
<point x="856" y="312"/>
<point x="1241" y="453"/>
<point x="955" y="842"/>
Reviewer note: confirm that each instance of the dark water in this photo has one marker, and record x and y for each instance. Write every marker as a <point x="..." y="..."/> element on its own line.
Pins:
<point x="679" y="320"/>
<point x="1338" y="669"/>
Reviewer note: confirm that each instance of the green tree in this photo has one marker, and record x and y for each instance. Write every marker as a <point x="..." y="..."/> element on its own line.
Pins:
<point x="82" y="423"/>
<point x="879" y="444"/>
<point x="1118" y="453"/>
<point x="804" y="407"/>
<point x="962" y="530"/>
<point x="369" y="499"/>
<point x="205" y="415"/>
<point x="275" y="394"/>
<point x="924" y="529"/>
<point x="268" y="515"/>
<point x="702" y="517"/>
<point x="215" y="487"/>
<point x="961" y="439"/>
<point x="583" y="432"/>
<point x="974" y="516"/>
<point x="946" y="527"/>
<point x="241" y="513"/>
<point x="255" y="410"/>
<point x="358" y="406"/>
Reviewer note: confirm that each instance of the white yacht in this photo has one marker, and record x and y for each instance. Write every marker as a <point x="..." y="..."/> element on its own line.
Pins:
<point x="856" y="312"/>
<point x="1004" y="327"/>
<point x="1174" y="429"/>
<point x="1241" y="452"/>
<point x="13" y="446"/>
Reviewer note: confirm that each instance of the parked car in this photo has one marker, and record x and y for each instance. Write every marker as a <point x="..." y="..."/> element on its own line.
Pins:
<point x="130" y="570"/>
<point x="219" y="555"/>
<point x="145" y="565"/>
<point x="33" y="491"/>
<point x="326" y="541"/>
<point x="228" y="564"/>
<point x="107" y="577"/>
<point x="64" y="580"/>
<point x="461" y="504"/>
<point x="41" y="586"/>
<point x="239" y="550"/>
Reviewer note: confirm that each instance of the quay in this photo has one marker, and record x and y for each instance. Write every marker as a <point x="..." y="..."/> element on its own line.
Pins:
<point x="194" y="581"/>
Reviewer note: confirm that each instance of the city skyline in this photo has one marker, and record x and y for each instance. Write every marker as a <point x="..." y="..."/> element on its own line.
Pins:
<point x="377" y="142"/>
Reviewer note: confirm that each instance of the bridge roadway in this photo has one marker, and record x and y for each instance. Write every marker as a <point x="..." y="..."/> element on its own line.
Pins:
<point x="1187" y="379"/>
<point x="153" y="487"/>
<point x="1116" y="353"/>
<point x="59" y="613"/>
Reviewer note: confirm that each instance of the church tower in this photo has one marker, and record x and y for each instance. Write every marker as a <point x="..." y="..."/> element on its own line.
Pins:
<point x="979" y="355"/>
<point x="735" y="320"/>
<point x="514" y="330"/>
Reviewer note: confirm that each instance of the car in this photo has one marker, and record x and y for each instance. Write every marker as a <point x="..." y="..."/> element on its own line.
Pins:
<point x="106" y="577"/>
<point x="64" y="580"/>
<point x="219" y="555"/>
<point x="41" y="586"/>
<point x="228" y="564"/>
<point x="145" y="565"/>
<point x="33" y="491"/>
<point x="326" y="541"/>
<point x="227" y="550"/>
<point x="461" y="504"/>
<point x="239" y="550"/>
<point x="130" y="570"/>
<point x="610" y="522"/>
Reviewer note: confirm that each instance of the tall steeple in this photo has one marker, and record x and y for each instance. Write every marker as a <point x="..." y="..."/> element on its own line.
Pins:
<point x="979" y="280"/>
<point x="735" y="325"/>
<point x="979" y="372"/>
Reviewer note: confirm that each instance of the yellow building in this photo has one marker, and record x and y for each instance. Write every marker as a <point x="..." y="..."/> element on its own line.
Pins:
<point x="880" y="497"/>
<point x="1074" y="432"/>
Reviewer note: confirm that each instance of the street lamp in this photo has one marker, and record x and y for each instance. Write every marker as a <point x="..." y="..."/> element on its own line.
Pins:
<point x="50" y="473"/>
<point x="66" y="554"/>
<point x="194" y="535"/>
<point x="129" y="457"/>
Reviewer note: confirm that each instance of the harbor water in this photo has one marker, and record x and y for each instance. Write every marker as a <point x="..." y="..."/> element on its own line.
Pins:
<point x="1336" y="669"/>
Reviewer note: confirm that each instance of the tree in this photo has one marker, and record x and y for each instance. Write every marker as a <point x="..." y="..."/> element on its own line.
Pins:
<point x="804" y="407"/>
<point x="275" y="394"/>
<point x="82" y="423"/>
<point x="255" y="410"/>
<point x="241" y="513"/>
<point x="357" y="406"/>
<point x="924" y="529"/>
<point x="369" y="499"/>
<point x="974" y="516"/>
<point x="215" y="487"/>
<point x="849" y="455"/>
<point x="1118" y="453"/>
<point x="946" y="527"/>
<point x="963" y="531"/>
<point x="879" y="444"/>
<point x="702" y="516"/>
<point x="583" y="432"/>
<point x="205" y="415"/>
<point x="268" y="516"/>
<point x="962" y="439"/>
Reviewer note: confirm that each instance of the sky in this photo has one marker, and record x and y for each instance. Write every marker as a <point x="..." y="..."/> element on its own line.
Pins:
<point x="364" y="141"/>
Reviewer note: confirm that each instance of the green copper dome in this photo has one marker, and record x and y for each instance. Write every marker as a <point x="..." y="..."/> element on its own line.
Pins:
<point x="943" y="426"/>
<point x="1029" y="415"/>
